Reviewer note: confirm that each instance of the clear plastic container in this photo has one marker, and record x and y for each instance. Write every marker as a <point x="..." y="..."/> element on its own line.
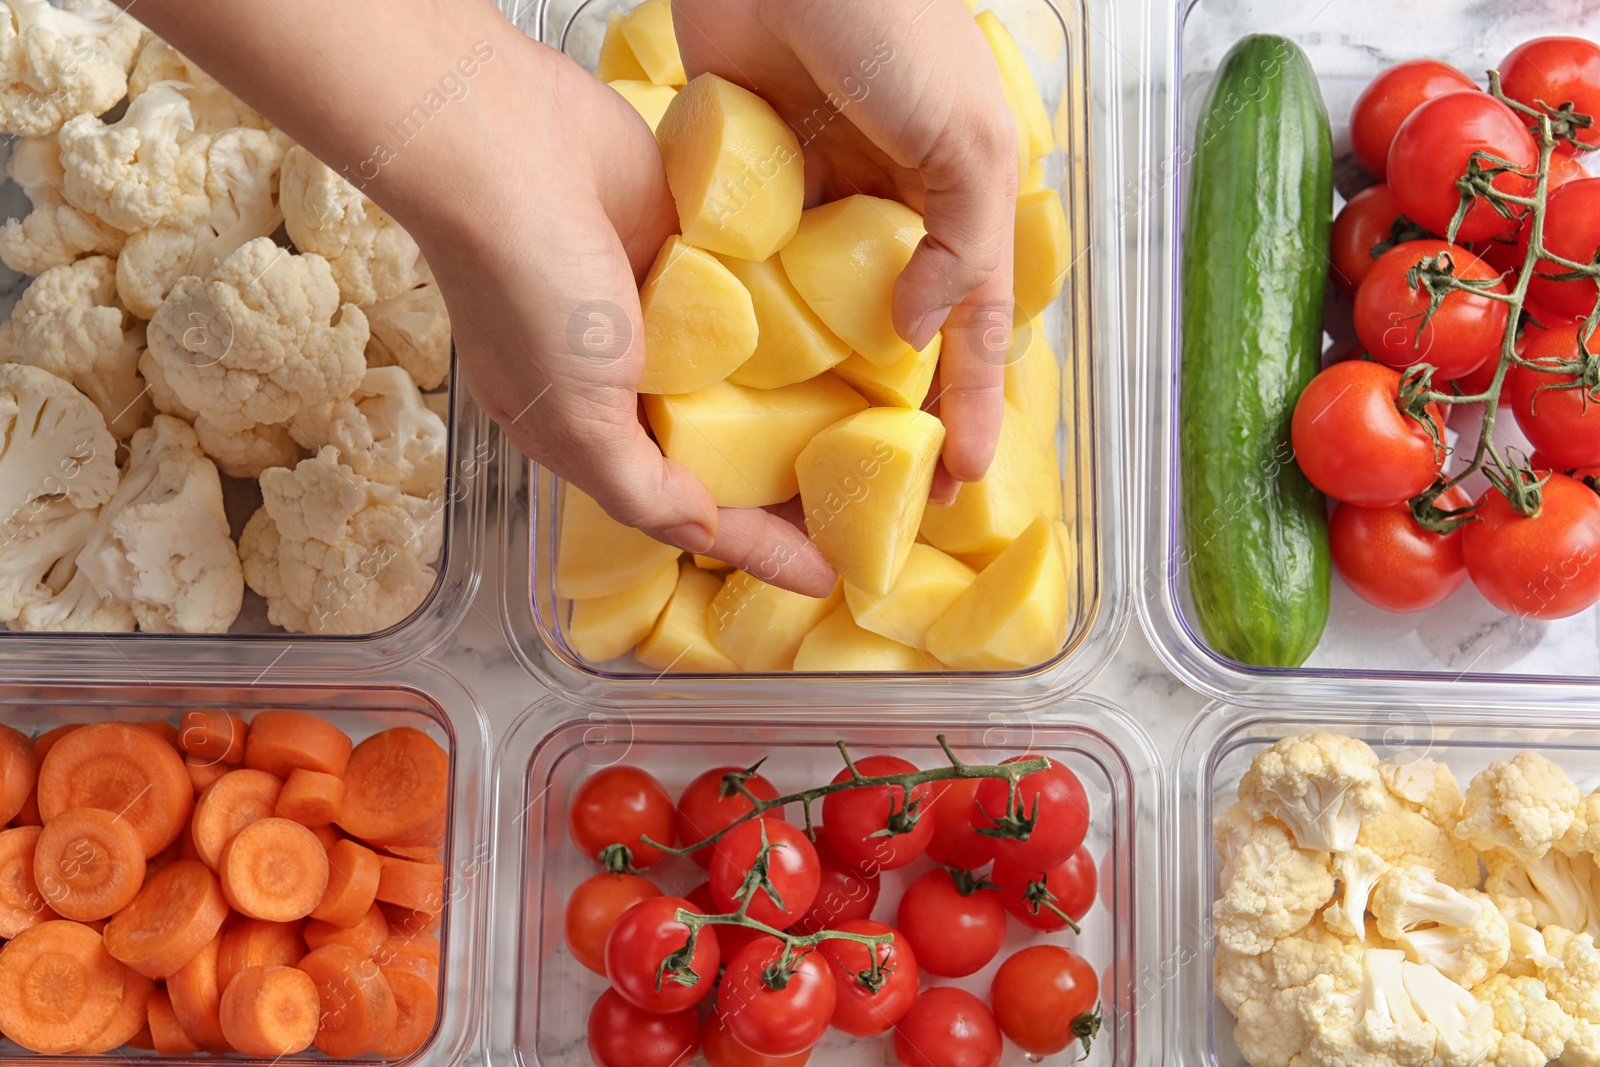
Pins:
<point x="1070" y="47"/>
<point x="1494" y="657"/>
<point x="542" y="995"/>
<point x="421" y="697"/>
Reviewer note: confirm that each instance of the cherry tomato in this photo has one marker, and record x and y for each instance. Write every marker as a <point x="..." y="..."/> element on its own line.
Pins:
<point x="621" y="1035"/>
<point x="722" y="1049"/>
<point x="1572" y="231"/>
<point x="1355" y="444"/>
<point x="1370" y="221"/>
<point x="776" y="1016"/>
<point x="1431" y="152"/>
<point x="843" y="894"/>
<point x="947" y="1027"/>
<point x="1052" y="815"/>
<point x="1045" y="998"/>
<point x="618" y="806"/>
<point x="854" y="816"/>
<point x="593" y="909"/>
<point x="862" y="1009"/>
<point x="793" y="871"/>
<point x="1034" y="897"/>
<point x="730" y="939"/>
<point x="1562" y="423"/>
<point x="1390" y="99"/>
<point x="709" y="805"/>
<point x="648" y="933"/>
<point x="955" y="843"/>
<point x="953" y="925"/>
<point x="1464" y="332"/>
<point x="1553" y="72"/>
<point x="1564" y="170"/>
<point x="1391" y="562"/>
<point x="1545" y="566"/>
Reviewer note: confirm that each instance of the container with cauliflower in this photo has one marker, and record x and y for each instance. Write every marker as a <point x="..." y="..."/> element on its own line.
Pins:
<point x="224" y="379"/>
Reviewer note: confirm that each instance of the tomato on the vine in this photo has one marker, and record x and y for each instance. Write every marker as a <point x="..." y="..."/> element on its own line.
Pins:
<point x="857" y="819"/>
<point x="956" y="841"/>
<point x="1555" y="412"/>
<point x="618" y="806"/>
<point x="953" y="922"/>
<point x="948" y="1027"/>
<point x="708" y="806"/>
<point x="1050" y="821"/>
<point x="1571" y="231"/>
<point x="1390" y="99"/>
<point x="593" y="909"/>
<point x="648" y="933"/>
<point x="1550" y="73"/>
<point x="730" y="939"/>
<point x="1464" y="332"/>
<point x="1354" y="443"/>
<point x="1364" y="229"/>
<point x="1432" y="151"/>
<point x="1045" y="998"/>
<point x="843" y="894"/>
<point x="774" y="1006"/>
<point x="1035" y="897"/>
<point x="621" y="1035"/>
<point x="722" y="1049"/>
<point x="1390" y="561"/>
<point x="1543" y="566"/>
<point x="871" y="1004"/>
<point x="1564" y="170"/>
<point x="793" y="872"/>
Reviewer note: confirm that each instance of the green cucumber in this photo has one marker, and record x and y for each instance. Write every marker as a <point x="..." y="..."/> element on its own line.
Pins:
<point x="1255" y="263"/>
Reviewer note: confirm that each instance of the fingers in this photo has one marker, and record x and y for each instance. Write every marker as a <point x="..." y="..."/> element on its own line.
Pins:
<point x="972" y="365"/>
<point x="774" y="550"/>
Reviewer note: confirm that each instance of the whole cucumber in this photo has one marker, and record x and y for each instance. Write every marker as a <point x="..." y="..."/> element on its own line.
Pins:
<point x="1255" y="263"/>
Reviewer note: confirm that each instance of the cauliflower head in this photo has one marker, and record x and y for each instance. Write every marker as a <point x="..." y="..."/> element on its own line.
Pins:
<point x="1525" y="804"/>
<point x="1271" y="889"/>
<point x="215" y="108"/>
<point x="1320" y="785"/>
<point x="372" y="256"/>
<point x="54" y="233"/>
<point x="59" y="62"/>
<point x="250" y="452"/>
<point x="412" y="331"/>
<point x="383" y="432"/>
<point x="146" y="169"/>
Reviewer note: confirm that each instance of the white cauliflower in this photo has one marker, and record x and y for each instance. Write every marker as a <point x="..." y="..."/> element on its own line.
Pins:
<point x="372" y="256"/>
<point x="1529" y="953"/>
<point x="1461" y="933"/>
<point x="1403" y="1013"/>
<point x="1426" y="786"/>
<point x="1320" y="785"/>
<point x="1406" y="837"/>
<point x="250" y="452"/>
<point x="54" y="233"/>
<point x="383" y="432"/>
<point x="146" y="169"/>
<point x="1575" y="985"/>
<point x="53" y="443"/>
<point x="215" y="108"/>
<point x="1532" y="1029"/>
<point x="1269" y="993"/>
<point x="1357" y="872"/>
<point x="1553" y="890"/>
<point x="412" y="330"/>
<point x="1271" y="889"/>
<point x="161" y="394"/>
<point x="261" y="338"/>
<point x="58" y="62"/>
<point x="1524" y="805"/>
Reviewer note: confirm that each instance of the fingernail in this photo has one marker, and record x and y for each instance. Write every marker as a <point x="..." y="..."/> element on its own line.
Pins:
<point x="691" y="537"/>
<point x="945" y="499"/>
<point x="930" y="324"/>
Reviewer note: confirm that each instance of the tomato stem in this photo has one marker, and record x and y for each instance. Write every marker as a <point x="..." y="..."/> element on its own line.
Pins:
<point x="1037" y="895"/>
<point x="794" y="946"/>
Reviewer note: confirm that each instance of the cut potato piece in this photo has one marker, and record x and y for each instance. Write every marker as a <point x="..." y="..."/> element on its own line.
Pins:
<point x="793" y="344"/>
<point x="1042" y="258"/>
<point x="1014" y="615"/>
<point x="680" y="642"/>
<point x="617" y="61"/>
<point x="734" y="167"/>
<point x="699" y="322"/>
<point x="1034" y="124"/>
<point x="760" y="626"/>
<point x="650" y="34"/>
<point x="597" y="555"/>
<point x="743" y="442"/>
<point x="648" y="99"/>
<point x="1023" y="483"/>
<point x="902" y="384"/>
<point x="864" y="485"/>
<point x="929" y="583"/>
<point x="607" y="627"/>
<point x="1033" y="181"/>
<point x="1033" y="381"/>
<point x="844" y="260"/>
<point x="838" y="644"/>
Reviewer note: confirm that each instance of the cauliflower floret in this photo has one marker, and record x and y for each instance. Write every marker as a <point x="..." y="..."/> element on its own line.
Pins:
<point x="259" y="339"/>
<point x="250" y="452"/>
<point x="53" y="443"/>
<point x="1583" y="836"/>
<point x="335" y="553"/>
<point x="412" y="330"/>
<point x="1532" y="1029"/>
<point x="1403" y="1013"/>
<point x="372" y="256"/>
<point x="1425" y="785"/>
<point x="1357" y="872"/>
<point x="69" y="324"/>
<point x="59" y="62"/>
<point x="38" y="540"/>
<point x="215" y="108"/>
<point x="1320" y="785"/>
<point x="1525" y="805"/>
<point x="383" y="432"/>
<point x="161" y="394"/>
<point x="1271" y="890"/>
<point x="1229" y="831"/>
<point x="1575" y="985"/>
<point x="1407" y="838"/>
<point x="1267" y="993"/>
<point x="146" y="169"/>
<point x="1529" y="954"/>
<point x="54" y="233"/>
<point x="1553" y="890"/>
<point x="1461" y="933"/>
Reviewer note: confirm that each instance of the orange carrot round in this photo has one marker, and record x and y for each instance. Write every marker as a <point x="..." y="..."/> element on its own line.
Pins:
<point x="19" y="770"/>
<point x="132" y="1015"/>
<point x="21" y="904"/>
<point x="311" y="798"/>
<point x="212" y="736"/>
<point x="328" y="835"/>
<point x="353" y="873"/>
<point x="250" y="943"/>
<point x="423" y="946"/>
<point x="166" y="1033"/>
<point x="274" y="869"/>
<point x="162" y="729"/>
<point x="141" y="1039"/>
<point x="29" y="814"/>
<point x="203" y="773"/>
<point x="124" y="769"/>
<point x="196" y="994"/>
<point x="47" y="740"/>
<point x="366" y="936"/>
<point x="228" y="805"/>
<point x="401" y="954"/>
<point x="417" y="853"/>
<point x="58" y="987"/>
<point x="407" y="922"/>
<point x="397" y="790"/>
<point x="418" y="886"/>
<point x="89" y="864"/>
<point x="280" y="741"/>
<point x="357" y="1007"/>
<point x="416" y="1003"/>
<point x="180" y="908"/>
<point x="271" y="1011"/>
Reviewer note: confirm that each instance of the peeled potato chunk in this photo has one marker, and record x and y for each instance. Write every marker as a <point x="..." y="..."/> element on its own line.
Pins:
<point x="760" y="626"/>
<point x="838" y="644"/>
<point x="699" y="322"/>
<point x="1033" y="381"/>
<point x="735" y="169"/>
<point x="1022" y="483"/>
<point x="606" y="627"/>
<point x="617" y="61"/>
<point x="793" y="344"/>
<point x="650" y="34"/>
<point x="1034" y="179"/>
<point x="648" y="99"/>
<point x="902" y="384"/>
<point x="597" y="555"/>
<point x="844" y="260"/>
<point x="929" y="583"/>
<point x="1034" y="119"/>
<point x="680" y="641"/>
<point x="1042" y="256"/>
<point x="1014" y="615"/>
<point x="743" y="442"/>
<point x="864" y="485"/>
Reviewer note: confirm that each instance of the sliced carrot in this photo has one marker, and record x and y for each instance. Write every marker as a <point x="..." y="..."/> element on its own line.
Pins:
<point x="166" y="1032"/>
<point x="408" y="922"/>
<point x="141" y="1038"/>
<point x="357" y="1007"/>
<point x="212" y="736"/>
<point x="423" y="946"/>
<point x="203" y="773"/>
<point x="196" y="994"/>
<point x="180" y="908"/>
<point x="126" y="770"/>
<point x="19" y="771"/>
<point x="58" y="987"/>
<point x="311" y="798"/>
<point x="250" y="943"/>
<point x="162" y="729"/>
<point x="418" y="886"/>
<point x="418" y="853"/>
<point x="228" y="805"/>
<point x="406" y="955"/>
<point x="21" y="904"/>
<point x="353" y="874"/>
<point x="271" y="1011"/>
<point x="397" y="790"/>
<point x="416" y="1002"/>
<point x="47" y="740"/>
<point x="169" y="855"/>
<point x="29" y="814"/>
<point x="280" y="741"/>
<point x="366" y="936"/>
<point x="328" y="835"/>
<point x="89" y="864"/>
<point x="186" y="847"/>
<point x="131" y="1017"/>
<point x="274" y="869"/>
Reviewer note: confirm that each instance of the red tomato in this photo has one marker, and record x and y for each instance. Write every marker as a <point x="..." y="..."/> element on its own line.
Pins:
<point x="1390" y="99"/>
<point x="955" y="842"/>
<point x="1371" y="219"/>
<point x="771" y="1013"/>
<point x="704" y="809"/>
<point x="1551" y="73"/>
<point x="618" y="806"/>
<point x="648" y="933"/>
<point x="621" y="1035"/>
<point x="1545" y="566"/>
<point x="722" y="1049"/>
<point x="843" y="894"/>
<point x="1390" y="562"/>
<point x="1033" y="896"/>
<point x="1431" y="152"/>
<point x="1465" y="332"/>
<point x="1562" y="423"/>
<point x="1564" y="170"/>
<point x="593" y="909"/>
<point x="1045" y="998"/>
<point x="863" y="1010"/>
<point x="793" y="871"/>
<point x="1572" y="231"/>
<point x="1052" y="815"/>
<point x="854" y="816"/>
<point x="730" y="939"/>
<point x="1355" y="444"/>
<point x="947" y="1027"/>
<point x="952" y="925"/>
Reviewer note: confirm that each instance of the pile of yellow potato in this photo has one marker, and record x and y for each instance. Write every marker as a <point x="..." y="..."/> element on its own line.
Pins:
<point x="773" y="370"/>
